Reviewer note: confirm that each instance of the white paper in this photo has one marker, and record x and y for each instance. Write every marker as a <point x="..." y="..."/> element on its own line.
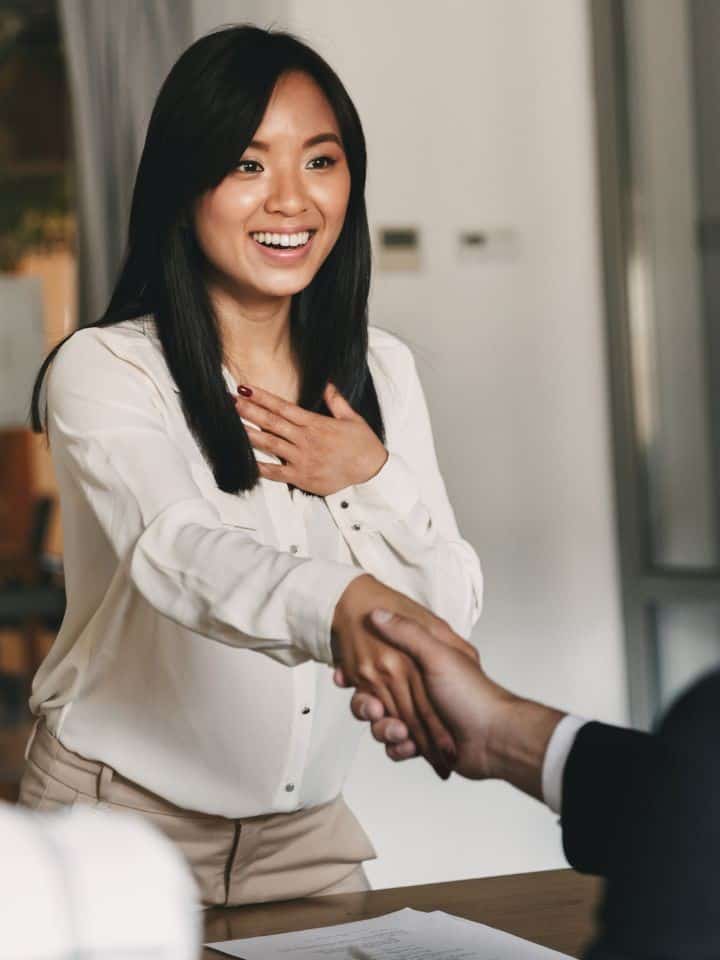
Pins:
<point x="404" y="935"/>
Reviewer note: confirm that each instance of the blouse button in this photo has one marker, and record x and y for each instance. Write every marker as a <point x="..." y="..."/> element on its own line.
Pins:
<point x="294" y="548"/>
<point x="289" y="787"/>
<point x="306" y="710"/>
<point x="344" y="504"/>
<point x="356" y="526"/>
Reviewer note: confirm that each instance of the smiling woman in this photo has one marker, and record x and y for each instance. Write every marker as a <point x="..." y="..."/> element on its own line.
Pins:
<point x="283" y="206"/>
<point x="246" y="471"/>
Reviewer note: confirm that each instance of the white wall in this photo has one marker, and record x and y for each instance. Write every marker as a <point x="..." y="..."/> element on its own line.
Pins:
<point x="480" y="115"/>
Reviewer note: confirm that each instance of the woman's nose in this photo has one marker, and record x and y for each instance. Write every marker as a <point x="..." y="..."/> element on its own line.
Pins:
<point x="286" y="196"/>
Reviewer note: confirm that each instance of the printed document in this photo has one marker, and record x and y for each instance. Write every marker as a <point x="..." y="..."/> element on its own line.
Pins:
<point x="404" y="935"/>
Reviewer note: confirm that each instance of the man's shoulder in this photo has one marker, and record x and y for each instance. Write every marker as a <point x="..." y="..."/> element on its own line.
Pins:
<point x="695" y="714"/>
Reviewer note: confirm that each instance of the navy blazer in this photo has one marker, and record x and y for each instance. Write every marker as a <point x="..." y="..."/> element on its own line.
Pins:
<point x="643" y="810"/>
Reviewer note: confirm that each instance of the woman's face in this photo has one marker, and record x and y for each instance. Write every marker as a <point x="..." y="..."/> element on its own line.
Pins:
<point x="269" y="225"/>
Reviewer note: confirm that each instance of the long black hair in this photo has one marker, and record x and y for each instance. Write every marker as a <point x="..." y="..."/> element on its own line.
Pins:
<point x="206" y="114"/>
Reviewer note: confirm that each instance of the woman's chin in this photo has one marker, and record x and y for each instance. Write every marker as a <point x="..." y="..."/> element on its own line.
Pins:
<point x="285" y="286"/>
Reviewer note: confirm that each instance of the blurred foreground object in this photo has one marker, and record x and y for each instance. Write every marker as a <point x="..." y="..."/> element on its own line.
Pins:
<point x="92" y="884"/>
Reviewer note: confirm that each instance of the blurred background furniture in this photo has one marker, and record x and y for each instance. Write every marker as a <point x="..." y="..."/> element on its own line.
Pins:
<point x="32" y="595"/>
<point x="31" y="592"/>
<point x="32" y="598"/>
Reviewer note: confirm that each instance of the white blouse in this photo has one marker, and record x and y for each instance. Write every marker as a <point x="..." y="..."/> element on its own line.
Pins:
<point x="193" y="657"/>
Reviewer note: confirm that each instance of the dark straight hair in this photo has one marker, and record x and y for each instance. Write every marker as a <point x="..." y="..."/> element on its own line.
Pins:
<point x="206" y="114"/>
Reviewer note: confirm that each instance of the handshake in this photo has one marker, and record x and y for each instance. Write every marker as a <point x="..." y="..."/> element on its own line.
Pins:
<point x="640" y="809"/>
<point x="423" y="691"/>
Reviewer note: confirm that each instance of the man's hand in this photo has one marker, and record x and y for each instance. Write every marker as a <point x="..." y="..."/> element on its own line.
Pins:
<point x="497" y="734"/>
<point x="367" y="661"/>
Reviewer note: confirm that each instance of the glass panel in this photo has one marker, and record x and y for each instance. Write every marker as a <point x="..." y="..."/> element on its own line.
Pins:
<point x="669" y="341"/>
<point x="688" y="644"/>
<point x="705" y="36"/>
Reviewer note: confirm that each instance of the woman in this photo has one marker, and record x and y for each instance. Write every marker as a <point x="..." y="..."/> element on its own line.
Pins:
<point x="230" y="508"/>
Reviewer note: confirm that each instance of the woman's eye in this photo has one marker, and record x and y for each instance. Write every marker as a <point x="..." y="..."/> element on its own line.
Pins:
<point x="321" y="163"/>
<point x="249" y="166"/>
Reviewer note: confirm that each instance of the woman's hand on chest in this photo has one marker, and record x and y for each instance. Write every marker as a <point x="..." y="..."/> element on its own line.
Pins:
<point x="318" y="454"/>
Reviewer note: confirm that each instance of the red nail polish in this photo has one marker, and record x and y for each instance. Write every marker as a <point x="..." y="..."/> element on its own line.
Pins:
<point x="244" y="391"/>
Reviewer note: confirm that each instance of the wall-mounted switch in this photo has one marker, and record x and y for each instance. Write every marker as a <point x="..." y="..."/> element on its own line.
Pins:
<point x="496" y="244"/>
<point x="398" y="248"/>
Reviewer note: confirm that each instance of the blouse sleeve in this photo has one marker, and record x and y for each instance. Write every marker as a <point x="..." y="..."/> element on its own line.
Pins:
<point x="399" y="524"/>
<point x="106" y="425"/>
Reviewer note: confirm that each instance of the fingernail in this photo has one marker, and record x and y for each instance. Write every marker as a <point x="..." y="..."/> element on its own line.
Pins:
<point x="381" y="616"/>
<point x="244" y="391"/>
<point x="364" y="711"/>
<point x="397" y="734"/>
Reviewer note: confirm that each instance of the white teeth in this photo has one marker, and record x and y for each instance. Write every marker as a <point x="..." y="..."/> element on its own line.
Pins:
<point x="283" y="239"/>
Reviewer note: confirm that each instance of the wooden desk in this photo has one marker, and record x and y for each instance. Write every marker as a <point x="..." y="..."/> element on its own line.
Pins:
<point x="554" y="908"/>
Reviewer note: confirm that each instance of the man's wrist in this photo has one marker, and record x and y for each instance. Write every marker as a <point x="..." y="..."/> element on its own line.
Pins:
<point x="517" y="741"/>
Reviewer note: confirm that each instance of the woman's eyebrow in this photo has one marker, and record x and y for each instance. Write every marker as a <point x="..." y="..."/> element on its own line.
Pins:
<point x="322" y="138"/>
<point x="312" y="142"/>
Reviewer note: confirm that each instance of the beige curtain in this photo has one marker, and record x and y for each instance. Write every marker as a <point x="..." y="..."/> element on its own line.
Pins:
<point x="118" y="54"/>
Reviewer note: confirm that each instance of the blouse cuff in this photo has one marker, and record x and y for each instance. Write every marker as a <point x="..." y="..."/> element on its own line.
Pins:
<point x="392" y="491"/>
<point x="316" y="589"/>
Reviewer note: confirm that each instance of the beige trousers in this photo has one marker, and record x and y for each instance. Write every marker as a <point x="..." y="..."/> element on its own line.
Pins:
<point x="280" y="856"/>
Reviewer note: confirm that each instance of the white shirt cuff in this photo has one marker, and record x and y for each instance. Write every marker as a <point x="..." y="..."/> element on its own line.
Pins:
<point x="556" y="755"/>
<point x="317" y="587"/>
<point x="392" y="491"/>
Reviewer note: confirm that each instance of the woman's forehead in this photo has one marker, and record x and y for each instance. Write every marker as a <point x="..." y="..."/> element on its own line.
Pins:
<point x="298" y="108"/>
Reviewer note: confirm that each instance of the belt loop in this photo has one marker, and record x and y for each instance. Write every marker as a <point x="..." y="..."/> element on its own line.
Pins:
<point x="31" y="738"/>
<point x="104" y="780"/>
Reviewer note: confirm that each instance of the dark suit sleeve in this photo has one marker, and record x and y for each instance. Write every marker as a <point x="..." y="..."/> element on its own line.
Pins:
<point x="658" y="814"/>
<point x="601" y="765"/>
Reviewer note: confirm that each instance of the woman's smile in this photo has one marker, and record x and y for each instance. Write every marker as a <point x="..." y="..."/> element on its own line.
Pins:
<point x="282" y="247"/>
